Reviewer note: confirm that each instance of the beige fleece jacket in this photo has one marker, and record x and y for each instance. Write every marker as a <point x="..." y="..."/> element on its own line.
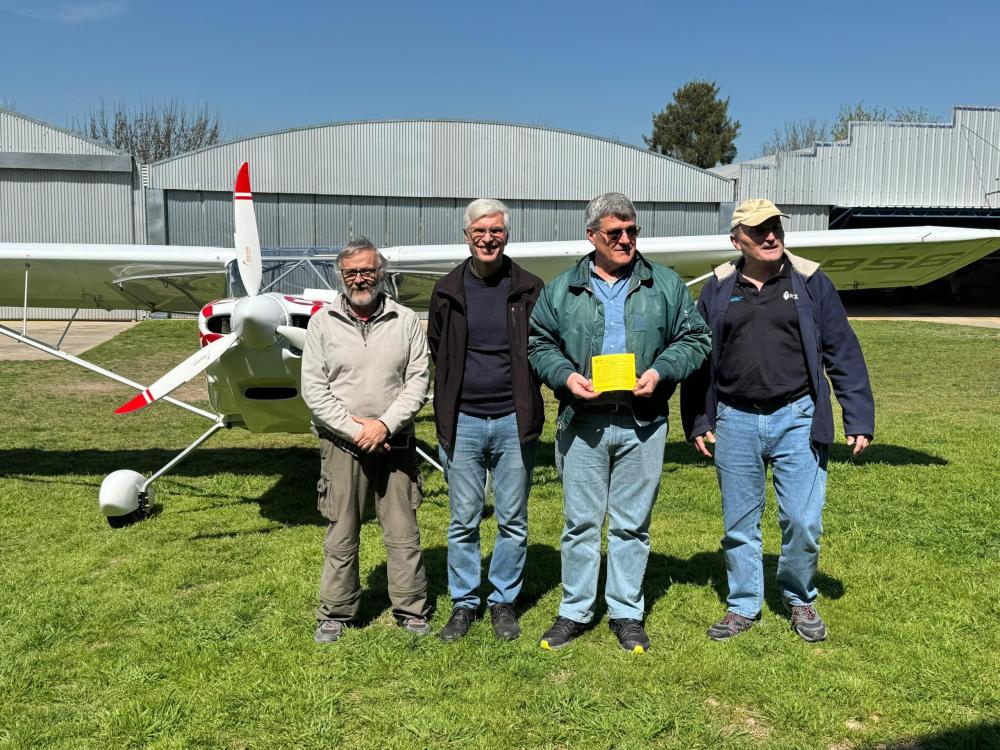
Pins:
<point x="384" y="377"/>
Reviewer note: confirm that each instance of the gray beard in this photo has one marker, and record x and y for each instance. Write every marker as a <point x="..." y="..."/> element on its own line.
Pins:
<point x="366" y="297"/>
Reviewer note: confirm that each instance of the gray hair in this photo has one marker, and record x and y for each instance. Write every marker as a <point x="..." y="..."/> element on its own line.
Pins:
<point x="609" y="204"/>
<point x="486" y="207"/>
<point x="359" y="245"/>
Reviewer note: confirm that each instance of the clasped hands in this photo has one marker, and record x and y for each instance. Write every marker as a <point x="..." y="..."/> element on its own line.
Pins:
<point x="372" y="437"/>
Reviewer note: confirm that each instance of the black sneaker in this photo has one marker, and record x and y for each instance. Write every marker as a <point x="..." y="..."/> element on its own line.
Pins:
<point x="505" y="624"/>
<point x="630" y="634"/>
<point x="328" y="631"/>
<point x="808" y="624"/>
<point x="729" y="626"/>
<point x="563" y="631"/>
<point x="458" y="624"/>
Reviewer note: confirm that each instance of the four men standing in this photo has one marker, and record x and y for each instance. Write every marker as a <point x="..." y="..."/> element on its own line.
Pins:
<point x="774" y="326"/>
<point x="489" y="413"/>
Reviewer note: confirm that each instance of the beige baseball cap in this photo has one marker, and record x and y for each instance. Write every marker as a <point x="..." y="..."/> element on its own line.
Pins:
<point x="754" y="211"/>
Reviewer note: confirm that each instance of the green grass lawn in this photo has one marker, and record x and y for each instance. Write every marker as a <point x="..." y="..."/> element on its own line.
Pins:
<point x="194" y="628"/>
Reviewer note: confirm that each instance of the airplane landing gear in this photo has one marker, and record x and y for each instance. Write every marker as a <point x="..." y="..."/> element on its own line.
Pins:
<point x="123" y="499"/>
<point x="127" y="496"/>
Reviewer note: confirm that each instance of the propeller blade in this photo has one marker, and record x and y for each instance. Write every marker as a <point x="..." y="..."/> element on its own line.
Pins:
<point x="294" y="335"/>
<point x="246" y="237"/>
<point x="181" y="374"/>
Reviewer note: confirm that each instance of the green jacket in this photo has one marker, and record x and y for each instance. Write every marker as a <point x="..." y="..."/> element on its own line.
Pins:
<point x="662" y="327"/>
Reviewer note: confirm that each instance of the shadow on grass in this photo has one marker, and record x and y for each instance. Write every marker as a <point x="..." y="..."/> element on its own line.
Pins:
<point x="709" y="569"/>
<point x="542" y="567"/>
<point x="969" y="737"/>
<point x="290" y="501"/>
<point x="882" y="453"/>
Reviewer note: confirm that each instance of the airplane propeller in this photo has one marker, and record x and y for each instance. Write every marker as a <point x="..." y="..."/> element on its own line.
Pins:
<point x="256" y="318"/>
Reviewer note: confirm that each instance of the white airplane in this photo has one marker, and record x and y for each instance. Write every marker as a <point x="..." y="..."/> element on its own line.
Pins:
<point x="252" y="339"/>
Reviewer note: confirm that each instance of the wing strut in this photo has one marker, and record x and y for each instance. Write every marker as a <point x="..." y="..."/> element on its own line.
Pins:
<point x="66" y="356"/>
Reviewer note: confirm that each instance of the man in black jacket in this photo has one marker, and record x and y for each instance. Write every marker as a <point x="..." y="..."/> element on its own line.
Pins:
<point x="489" y="413"/>
<point x="762" y="397"/>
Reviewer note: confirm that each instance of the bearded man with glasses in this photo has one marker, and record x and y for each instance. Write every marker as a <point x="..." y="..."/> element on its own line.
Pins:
<point x="609" y="446"/>
<point x="365" y="373"/>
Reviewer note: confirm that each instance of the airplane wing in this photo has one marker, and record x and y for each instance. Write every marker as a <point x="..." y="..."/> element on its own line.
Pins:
<point x="113" y="277"/>
<point x="853" y="258"/>
<point x="183" y="279"/>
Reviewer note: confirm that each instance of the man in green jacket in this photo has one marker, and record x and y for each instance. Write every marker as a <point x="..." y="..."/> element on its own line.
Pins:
<point x="609" y="446"/>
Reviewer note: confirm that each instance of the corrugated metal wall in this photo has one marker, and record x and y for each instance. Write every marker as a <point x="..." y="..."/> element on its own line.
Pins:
<point x="20" y="133"/>
<point x="206" y="218"/>
<point x="59" y="313"/>
<point x="47" y="197"/>
<point x="806" y="218"/>
<point x="441" y="159"/>
<point x="887" y="164"/>
<point x="42" y="202"/>
<point x="61" y="206"/>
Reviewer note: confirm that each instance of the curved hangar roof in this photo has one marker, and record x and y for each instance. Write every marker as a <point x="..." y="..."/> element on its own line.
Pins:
<point x="441" y="158"/>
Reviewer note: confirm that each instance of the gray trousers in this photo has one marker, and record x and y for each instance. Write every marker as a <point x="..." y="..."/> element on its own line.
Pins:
<point x="344" y="485"/>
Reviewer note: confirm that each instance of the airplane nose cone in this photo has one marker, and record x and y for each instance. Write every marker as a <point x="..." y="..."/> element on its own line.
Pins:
<point x="255" y="320"/>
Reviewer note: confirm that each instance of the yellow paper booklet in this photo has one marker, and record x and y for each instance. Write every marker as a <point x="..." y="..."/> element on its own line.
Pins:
<point x="614" y="372"/>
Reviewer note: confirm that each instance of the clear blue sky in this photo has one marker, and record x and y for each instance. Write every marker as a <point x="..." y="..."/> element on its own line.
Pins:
<point x="599" y="68"/>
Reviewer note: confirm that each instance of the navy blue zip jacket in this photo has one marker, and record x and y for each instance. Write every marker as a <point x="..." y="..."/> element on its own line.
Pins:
<point x="827" y="342"/>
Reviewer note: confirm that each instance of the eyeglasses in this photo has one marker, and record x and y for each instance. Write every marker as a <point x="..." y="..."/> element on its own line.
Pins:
<point x="478" y="232"/>
<point x="613" y="235"/>
<point x="350" y="274"/>
<point x="762" y="230"/>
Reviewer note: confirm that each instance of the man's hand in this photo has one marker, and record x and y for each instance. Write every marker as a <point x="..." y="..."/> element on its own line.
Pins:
<point x="372" y="435"/>
<point x="700" y="443"/>
<point x="646" y="383"/>
<point x="860" y="442"/>
<point x="581" y="387"/>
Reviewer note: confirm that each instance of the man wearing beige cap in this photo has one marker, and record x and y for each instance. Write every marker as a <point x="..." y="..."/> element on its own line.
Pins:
<point x="778" y="330"/>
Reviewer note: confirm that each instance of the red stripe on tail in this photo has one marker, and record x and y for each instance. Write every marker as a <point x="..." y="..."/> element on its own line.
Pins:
<point x="243" y="179"/>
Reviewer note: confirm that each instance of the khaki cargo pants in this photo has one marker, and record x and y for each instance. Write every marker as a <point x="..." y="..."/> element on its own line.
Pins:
<point x="344" y="485"/>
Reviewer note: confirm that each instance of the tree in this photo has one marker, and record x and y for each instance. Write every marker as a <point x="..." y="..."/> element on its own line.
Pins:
<point x="795" y="135"/>
<point x="152" y="131"/>
<point x="860" y="113"/>
<point x="695" y="127"/>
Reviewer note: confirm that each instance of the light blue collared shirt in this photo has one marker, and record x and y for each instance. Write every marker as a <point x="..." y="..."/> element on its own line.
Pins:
<point x="612" y="295"/>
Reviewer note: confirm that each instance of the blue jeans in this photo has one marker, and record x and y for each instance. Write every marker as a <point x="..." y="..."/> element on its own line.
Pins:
<point x="493" y="444"/>
<point x="748" y="441"/>
<point x="610" y="468"/>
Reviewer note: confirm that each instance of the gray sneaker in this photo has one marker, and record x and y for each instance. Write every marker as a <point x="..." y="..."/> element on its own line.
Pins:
<point x="808" y="624"/>
<point x="328" y="631"/>
<point x="416" y="625"/>
<point x="729" y="626"/>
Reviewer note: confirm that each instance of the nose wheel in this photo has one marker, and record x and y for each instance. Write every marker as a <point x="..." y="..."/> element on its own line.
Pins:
<point x="127" y="496"/>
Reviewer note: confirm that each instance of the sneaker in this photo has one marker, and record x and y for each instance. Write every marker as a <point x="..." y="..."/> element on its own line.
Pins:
<point x="563" y="631"/>
<point x="808" y="624"/>
<point x="458" y="624"/>
<point x="416" y="625"/>
<point x="505" y="624"/>
<point x="328" y="631"/>
<point x="729" y="626"/>
<point x="630" y="634"/>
